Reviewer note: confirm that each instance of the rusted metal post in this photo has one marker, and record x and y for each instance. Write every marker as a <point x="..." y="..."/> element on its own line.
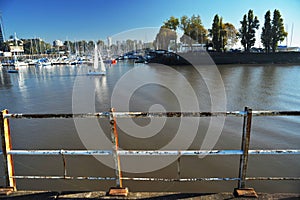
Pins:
<point x="245" y="147"/>
<point x="242" y="190"/>
<point x="118" y="190"/>
<point x="6" y="147"/>
<point x="64" y="163"/>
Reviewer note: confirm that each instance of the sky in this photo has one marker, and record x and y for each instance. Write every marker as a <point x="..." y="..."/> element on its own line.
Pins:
<point x="97" y="19"/>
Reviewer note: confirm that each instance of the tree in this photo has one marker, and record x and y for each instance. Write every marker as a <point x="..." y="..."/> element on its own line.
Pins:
<point x="222" y="34"/>
<point x="184" y="25"/>
<point x="218" y="34"/>
<point x="215" y="33"/>
<point x="4" y="46"/>
<point x="247" y="30"/>
<point x="194" y="31"/>
<point x="243" y="32"/>
<point x="100" y="43"/>
<point x="90" y="46"/>
<point x="266" y="35"/>
<point x="164" y="37"/>
<point x="69" y="46"/>
<point x="278" y="32"/>
<point x="231" y="34"/>
<point x="172" y="24"/>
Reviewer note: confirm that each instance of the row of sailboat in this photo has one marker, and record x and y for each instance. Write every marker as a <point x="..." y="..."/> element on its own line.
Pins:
<point x="97" y="59"/>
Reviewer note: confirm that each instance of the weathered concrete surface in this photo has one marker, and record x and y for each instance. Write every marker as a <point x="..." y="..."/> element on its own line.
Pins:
<point x="37" y="195"/>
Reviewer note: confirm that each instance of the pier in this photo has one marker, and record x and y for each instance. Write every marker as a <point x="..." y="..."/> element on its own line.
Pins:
<point x="119" y="189"/>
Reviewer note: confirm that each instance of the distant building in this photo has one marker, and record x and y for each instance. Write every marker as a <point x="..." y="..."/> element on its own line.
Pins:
<point x="16" y="46"/>
<point x="188" y="48"/>
<point x="58" y="43"/>
<point x="282" y="48"/>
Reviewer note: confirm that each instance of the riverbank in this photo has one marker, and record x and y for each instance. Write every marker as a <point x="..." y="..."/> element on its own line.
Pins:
<point x="20" y="195"/>
<point x="226" y="58"/>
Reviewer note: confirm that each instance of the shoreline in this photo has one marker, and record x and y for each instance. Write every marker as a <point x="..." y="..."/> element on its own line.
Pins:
<point x="227" y="58"/>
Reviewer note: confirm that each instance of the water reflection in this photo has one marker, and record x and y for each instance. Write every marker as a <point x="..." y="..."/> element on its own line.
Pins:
<point x="5" y="81"/>
<point x="50" y="89"/>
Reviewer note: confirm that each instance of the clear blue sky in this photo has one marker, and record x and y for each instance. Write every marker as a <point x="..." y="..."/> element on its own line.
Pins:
<point x="97" y="19"/>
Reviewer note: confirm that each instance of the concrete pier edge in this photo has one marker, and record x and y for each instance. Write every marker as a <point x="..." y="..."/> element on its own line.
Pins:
<point x="32" y="195"/>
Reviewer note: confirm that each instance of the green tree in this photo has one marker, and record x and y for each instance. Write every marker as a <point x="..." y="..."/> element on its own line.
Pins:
<point x="222" y="33"/>
<point x="194" y="31"/>
<point x="278" y="32"/>
<point x="231" y="34"/>
<point x="184" y="25"/>
<point x="172" y="24"/>
<point x="247" y="30"/>
<point x="4" y="46"/>
<point x="223" y="36"/>
<point x="266" y="35"/>
<point x="215" y="33"/>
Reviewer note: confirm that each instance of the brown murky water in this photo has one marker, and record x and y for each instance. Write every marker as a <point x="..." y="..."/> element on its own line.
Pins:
<point x="51" y="90"/>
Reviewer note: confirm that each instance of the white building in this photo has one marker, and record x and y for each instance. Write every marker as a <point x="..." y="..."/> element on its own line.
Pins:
<point x="16" y="46"/>
<point x="57" y="43"/>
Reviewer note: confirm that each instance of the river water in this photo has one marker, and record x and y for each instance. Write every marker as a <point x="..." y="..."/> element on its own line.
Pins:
<point x="141" y="87"/>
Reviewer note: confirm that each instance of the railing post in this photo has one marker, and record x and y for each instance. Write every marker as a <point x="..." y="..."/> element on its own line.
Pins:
<point x="118" y="190"/>
<point x="242" y="190"/>
<point x="6" y="147"/>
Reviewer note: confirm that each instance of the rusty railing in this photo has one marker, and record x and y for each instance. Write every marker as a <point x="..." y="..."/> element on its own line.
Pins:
<point x="244" y="152"/>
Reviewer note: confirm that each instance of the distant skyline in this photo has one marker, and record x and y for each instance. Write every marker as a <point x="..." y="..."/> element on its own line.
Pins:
<point x="97" y="19"/>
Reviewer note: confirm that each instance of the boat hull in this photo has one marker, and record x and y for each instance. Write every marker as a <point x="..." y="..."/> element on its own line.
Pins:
<point x="96" y="73"/>
<point x="12" y="71"/>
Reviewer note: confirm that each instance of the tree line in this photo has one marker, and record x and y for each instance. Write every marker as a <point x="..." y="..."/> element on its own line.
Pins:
<point x="221" y="35"/>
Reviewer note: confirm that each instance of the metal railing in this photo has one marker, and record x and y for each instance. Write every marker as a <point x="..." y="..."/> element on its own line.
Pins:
<point x="244" y="152"/>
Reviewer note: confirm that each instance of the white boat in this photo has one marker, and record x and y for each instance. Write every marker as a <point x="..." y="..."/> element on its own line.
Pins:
<point x="13" y="69"/>
<point x="43" y="62"/>
<point x="18" y="63"/>
<point x="97" y="56"/>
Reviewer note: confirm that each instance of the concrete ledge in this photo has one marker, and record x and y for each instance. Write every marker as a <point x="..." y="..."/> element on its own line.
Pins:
<point x="36" y="195"/>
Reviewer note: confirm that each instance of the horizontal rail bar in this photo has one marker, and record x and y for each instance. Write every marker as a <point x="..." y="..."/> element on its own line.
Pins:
<point x="155" y="179"/>
<point x="127" y="178"/>
<point x="61" y="152"/>
<point x="275" y="113"/>
<point x="67" y="177"/>
<point x="153" y="153"/>
<point x="274" y="152"/>
<point x="273" y="178"/>
<point x="152" y="114"/>
<point x="124" y="115"/>
<point x="54" y="116"/>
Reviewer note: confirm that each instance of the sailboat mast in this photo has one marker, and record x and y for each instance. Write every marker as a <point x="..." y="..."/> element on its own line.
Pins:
<point x="96" y="56"/>
<point x="292" y="34"/>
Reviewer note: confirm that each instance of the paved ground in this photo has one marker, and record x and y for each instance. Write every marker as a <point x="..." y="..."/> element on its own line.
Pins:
<point x="32" y="195"/>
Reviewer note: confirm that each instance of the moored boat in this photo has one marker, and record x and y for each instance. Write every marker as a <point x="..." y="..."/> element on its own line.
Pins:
<point x="97" y="55"/>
